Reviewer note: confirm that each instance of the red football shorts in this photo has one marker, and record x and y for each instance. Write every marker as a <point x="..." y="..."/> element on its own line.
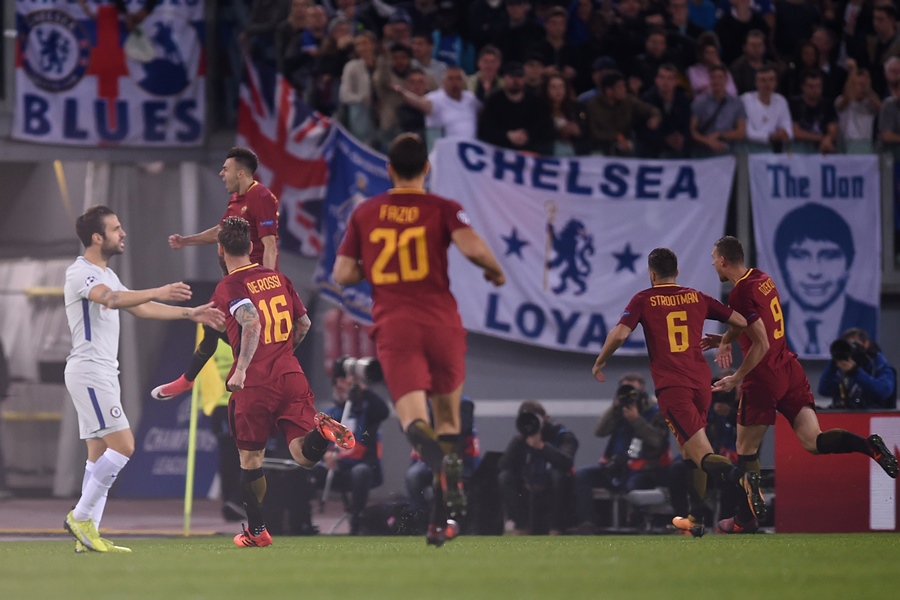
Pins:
<point x="784" y="389"/>
<point x="256" y="413"/>
<point x="685" y="410"/>
<point x="421" y="356"/>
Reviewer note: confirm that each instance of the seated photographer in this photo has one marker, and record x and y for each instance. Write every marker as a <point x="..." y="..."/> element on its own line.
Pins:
<point x="636" y="455"/>
<point x="419" y="478"/>
<point x="536" y="472"/>
<point x="357" y="470"/>
<point x="858" y="377"/>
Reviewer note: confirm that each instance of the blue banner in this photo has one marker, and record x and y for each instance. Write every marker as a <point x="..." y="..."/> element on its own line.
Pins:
<point x="356" y="173"/>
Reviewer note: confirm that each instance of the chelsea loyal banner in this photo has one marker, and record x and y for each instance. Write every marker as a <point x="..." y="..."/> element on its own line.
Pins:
<point x="83" y="78"/>
<point x="573" y="236"/>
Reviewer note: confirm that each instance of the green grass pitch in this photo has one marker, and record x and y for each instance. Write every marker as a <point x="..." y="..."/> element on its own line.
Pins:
<point x="716" y="567"/>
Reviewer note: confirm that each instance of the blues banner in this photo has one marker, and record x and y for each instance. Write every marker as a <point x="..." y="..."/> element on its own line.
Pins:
<point x="818" y="234"/>
<point x="355" y="173"/>
<point x="573" y="236"/>
<point x="83" y="79"/>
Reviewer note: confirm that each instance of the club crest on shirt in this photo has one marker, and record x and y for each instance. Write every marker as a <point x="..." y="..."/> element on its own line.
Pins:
<point x="463" y="218"/>
<point x="89" y="280"/>
<point x="243" y="209"/>
<point x="115" y="412"/>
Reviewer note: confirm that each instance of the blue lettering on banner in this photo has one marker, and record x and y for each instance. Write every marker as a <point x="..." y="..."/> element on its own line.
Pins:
<point x="530" y="320"/>
<point x="834" y="186"/>
<point x="786" y="184"/>
<point x="617" y="181"/>
<point x="101" y="114"/>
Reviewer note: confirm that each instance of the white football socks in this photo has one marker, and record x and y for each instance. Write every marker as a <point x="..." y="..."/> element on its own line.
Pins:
<point x="102" y="475"/>
<point x="97" y="513"/>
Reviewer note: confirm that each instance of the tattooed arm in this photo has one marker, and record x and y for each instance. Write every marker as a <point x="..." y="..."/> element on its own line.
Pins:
<point x="248" y="318"/>
<point x="301" y="328"/>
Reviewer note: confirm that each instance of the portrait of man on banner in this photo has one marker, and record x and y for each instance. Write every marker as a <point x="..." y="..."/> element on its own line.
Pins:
<point x="816" y="255"/>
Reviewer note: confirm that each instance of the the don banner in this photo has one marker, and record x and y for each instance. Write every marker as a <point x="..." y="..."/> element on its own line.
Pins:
<point x="84" y="78"/>
<point x="573" y="236"/>
<point x="818" y="234"/>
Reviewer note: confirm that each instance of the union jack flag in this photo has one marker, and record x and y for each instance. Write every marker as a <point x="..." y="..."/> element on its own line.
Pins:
<point x="290" y="140"/>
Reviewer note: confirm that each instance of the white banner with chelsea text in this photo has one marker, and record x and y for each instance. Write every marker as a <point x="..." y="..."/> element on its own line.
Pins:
<point x="573" y="236"/>
<point x="818" y="234"/>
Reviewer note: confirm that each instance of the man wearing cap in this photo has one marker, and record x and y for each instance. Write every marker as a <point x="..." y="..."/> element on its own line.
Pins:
<point x="515" y="118"/>
<point x="602" y="66"/>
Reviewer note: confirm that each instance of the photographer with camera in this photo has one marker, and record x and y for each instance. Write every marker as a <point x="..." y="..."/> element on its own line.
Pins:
<point x="858" y="376"/>
<point x="358" y="469"/>
<point x="636" y="455"/>
<point x="536" y="472"/>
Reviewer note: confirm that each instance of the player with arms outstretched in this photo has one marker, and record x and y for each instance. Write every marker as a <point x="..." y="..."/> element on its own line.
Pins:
<point x="398" y="242"/>
<point x="672" y="317"/>
<point x="774" y="382"/>
<point x="270" y="393"/>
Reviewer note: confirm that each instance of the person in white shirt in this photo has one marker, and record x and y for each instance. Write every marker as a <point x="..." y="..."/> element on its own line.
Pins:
<point x="452" y="108"/>
<point x="769" y="125"/>
<point x="857" y="108"/>
<point x="93" y="296"/>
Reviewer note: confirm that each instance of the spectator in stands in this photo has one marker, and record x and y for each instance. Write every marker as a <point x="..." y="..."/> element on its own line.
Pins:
<point x="422" y="14"/>
<point x="807" y="59"/>
<point x="743" y="70"/>
<point x="485" y="18"/>
<point x="859" y="376"/>
<point x="534" y="71"/>
<point x="536" y="472"/>
<point x="358" y="470"/>
<point x="258" y="37"/>
<point x="795" y="21"/>
<point x="769" y="125"/>
<point x="883" y="44"/>
<point x="625" y="38"/>
<point x="636" y="454"/>
<point x="336" y="50"/>
<point x="581" y="14"/>
<point x="856" y="110"/>
<point x="292" y="62"/>
<point x="645" y="67"/>
<point x="519" y="32"/>
<point x="397" y="30"/>
<point x="703" y="14"/>
<point x="422" y="52"/>
<point x="359" y="17"/>
<point x="409" y="118"/>
<point x="815" y="122"/>
<point x="614" y="114"/>
<point x="707" y="56"/>
<point x="452" y="110"/>
<point x="569" y="118"/>
<point x="449" y="44"/>
<point x="733" y="26"/>
<point x="833" y="76"/>
<point x="356" y="88"/>
<point x="388" y="75"/>
<point x="682" y="33"/>
<point x="419" y="477"/>
<point x="602" y="65"/>
<point x="486" y="79"/>
<point x="316" y="30"/>
<point x="672" y="139"/>
<point x="554" y="52"/>
<point x="718" y="119"/>
<point x="514" y="118"/>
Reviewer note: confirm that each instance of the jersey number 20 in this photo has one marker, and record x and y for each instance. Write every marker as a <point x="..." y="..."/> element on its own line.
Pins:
<point x="406" y="244"/>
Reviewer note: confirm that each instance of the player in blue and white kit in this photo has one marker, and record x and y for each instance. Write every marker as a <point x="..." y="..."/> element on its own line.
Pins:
<point x="93" y="295"/>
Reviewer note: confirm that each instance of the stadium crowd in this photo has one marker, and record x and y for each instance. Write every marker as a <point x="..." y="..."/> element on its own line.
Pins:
<point x="647" y="78"/>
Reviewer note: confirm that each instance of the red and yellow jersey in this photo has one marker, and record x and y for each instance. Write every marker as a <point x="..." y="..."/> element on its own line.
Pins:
<point x="754" y="296"/>
<point x="672" y="317"/>
<point x="402" y="238"/>
<point x="278" y="305"/>
<point x="259" y="207"/>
